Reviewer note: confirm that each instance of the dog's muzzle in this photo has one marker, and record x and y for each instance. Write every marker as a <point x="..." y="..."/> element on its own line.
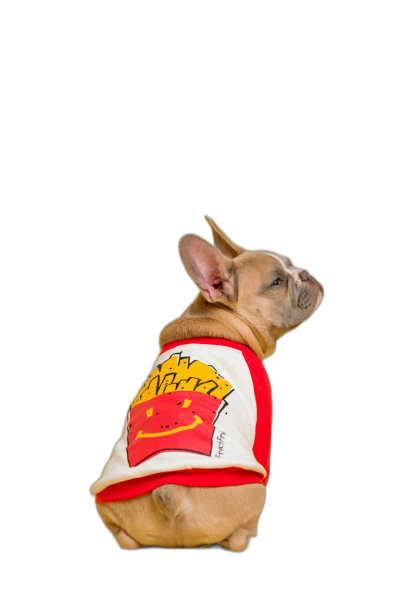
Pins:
<point x="309" y="289"/>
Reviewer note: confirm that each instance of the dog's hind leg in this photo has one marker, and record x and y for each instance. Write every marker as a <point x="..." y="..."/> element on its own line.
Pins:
<point x="150" y="519"/>
<point x="125" y="541"/>
<point x="111" y="521"/>
<point x="238" y="540"/>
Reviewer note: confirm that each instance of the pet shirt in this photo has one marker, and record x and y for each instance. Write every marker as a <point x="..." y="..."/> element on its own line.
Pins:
<point x="202" y="418"/>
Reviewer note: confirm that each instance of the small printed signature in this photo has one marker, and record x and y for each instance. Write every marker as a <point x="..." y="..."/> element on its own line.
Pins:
<point x="220" y="445"/>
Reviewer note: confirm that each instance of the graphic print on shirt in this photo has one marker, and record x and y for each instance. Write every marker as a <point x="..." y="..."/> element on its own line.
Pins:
<point x="176" y="409"/>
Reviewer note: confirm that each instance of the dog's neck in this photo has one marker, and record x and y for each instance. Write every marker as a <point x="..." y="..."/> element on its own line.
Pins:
<point x="203" y="319"/>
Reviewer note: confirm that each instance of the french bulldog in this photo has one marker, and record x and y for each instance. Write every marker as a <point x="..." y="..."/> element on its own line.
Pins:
<point x="191" y="466"/>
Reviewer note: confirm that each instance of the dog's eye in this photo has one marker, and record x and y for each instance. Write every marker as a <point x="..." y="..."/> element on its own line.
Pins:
<point x="277" y="282"/>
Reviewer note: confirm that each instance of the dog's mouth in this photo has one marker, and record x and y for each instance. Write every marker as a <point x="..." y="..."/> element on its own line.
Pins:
<point x="305" y="298"/>
<point x="309" y="298"/>
<point x="310" y="295"/>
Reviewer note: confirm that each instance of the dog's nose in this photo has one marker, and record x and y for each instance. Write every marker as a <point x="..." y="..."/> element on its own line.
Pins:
<point x="304" y="276"/>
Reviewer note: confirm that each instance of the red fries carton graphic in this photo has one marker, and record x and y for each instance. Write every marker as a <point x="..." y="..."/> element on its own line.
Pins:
<point x="176" y="409"/>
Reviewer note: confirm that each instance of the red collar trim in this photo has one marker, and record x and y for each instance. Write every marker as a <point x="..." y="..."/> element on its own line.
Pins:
<point x="209" y="341"/>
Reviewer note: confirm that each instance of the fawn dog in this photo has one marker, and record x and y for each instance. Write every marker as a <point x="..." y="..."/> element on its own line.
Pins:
<point x="191" y="466"/>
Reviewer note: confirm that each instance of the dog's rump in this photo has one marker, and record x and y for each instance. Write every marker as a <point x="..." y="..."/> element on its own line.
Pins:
<point x="202" y="418"/>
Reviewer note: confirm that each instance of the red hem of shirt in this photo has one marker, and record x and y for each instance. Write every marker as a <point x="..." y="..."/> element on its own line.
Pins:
<point x="196" y="477"/>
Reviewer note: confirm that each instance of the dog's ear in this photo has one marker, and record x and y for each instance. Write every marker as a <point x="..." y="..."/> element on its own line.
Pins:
<point x="209" y="269"/>
<point x="222" y="241"/>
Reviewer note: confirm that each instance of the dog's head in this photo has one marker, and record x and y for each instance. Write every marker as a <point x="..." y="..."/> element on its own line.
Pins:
<point x="262" y="287"/>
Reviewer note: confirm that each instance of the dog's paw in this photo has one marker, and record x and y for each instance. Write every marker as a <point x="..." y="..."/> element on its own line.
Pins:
<point x="237" y="541"/>
<point x="125" y="541"/>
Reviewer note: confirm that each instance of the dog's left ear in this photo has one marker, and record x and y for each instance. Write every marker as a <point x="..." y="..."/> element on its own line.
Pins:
<point x="213" y="272"/>
<point x="222" y="241"/>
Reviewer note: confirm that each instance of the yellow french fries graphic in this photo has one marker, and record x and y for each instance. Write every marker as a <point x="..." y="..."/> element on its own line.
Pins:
<point x="179" y="374"/>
